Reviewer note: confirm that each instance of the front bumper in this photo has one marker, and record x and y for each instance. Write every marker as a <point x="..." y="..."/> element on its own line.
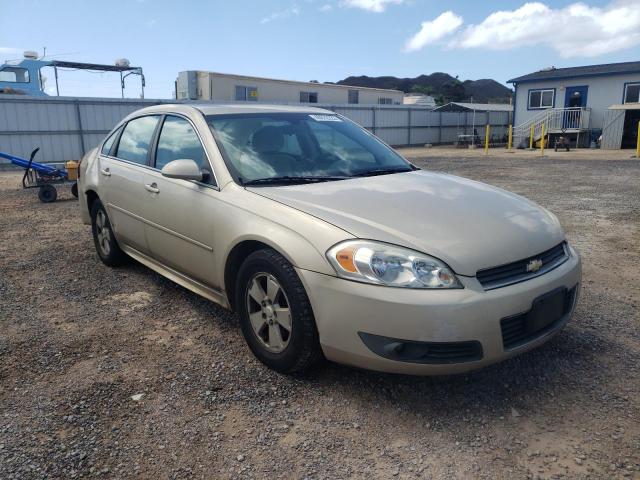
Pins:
<point x="344" y="310"/>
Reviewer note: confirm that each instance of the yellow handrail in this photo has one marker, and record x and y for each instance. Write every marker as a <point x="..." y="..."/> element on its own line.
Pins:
<point x="531" y="138"/>
<point x="486" y="140"/>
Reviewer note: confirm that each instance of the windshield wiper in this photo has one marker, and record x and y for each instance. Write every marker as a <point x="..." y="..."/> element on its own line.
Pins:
<point x="290" y="179"/>
<point x="382" y="171"/>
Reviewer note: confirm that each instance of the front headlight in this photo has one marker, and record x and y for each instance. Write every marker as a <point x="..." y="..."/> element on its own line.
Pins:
<point x="383" y="264"/>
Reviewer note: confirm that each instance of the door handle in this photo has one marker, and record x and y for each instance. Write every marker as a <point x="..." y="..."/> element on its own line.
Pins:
<point x="106" y="172"/>
<point x="153" y="188"/>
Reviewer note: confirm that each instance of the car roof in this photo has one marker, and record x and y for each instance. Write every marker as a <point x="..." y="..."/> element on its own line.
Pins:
<point x="226" y="109"/>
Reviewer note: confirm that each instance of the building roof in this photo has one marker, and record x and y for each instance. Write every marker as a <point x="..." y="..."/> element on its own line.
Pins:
<point x="478" y="107"/>
<point x="586" y="71"/>
<point x="296" y="82"/>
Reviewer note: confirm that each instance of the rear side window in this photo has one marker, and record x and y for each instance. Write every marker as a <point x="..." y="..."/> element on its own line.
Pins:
<point x="106" y="146"/>
<point x="178" y="141"/>
<point x="136" y="139"/>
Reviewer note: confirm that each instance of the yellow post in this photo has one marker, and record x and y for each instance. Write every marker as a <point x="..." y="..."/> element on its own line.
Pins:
<point x="510" y="141"/>
<point x="486" y="140"/>
<point x="638" y="144"/>
<point x="542" y="141"/>
<point x="531" y="138"/>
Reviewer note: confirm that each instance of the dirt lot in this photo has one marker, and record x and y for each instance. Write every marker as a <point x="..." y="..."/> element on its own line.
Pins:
<point x="78" y="340"/>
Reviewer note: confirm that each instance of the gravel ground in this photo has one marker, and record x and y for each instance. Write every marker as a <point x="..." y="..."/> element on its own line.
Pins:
<point x="79" y="340"/>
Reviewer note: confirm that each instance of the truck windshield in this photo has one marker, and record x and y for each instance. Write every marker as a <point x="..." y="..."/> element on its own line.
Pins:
<point x="270" y="148"/>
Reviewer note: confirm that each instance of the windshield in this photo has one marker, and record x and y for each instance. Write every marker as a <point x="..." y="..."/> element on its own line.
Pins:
<point x="263" y="148"/>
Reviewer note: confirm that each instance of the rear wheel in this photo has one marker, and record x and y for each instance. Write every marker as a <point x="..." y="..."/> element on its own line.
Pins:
<point x="106" y="245"/>
<point x="47" y="193"/>
<point x="275" y="314"/>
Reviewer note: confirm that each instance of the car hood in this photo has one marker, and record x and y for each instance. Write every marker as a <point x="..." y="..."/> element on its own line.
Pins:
<point x="467" y="224"/>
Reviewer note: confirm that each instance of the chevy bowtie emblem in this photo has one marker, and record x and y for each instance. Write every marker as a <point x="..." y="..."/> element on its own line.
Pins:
<point x="534" y="265"/>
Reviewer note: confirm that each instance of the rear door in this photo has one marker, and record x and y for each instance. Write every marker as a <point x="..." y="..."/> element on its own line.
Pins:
<point x="182" y="214"/>
<point x="123" y="182"/>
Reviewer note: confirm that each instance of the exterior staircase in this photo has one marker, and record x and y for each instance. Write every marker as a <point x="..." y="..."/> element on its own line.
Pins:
<point x="554" y="120"/>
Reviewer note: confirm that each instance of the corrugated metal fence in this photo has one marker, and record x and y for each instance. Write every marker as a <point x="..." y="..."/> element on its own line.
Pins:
<point x="65" y="127"/>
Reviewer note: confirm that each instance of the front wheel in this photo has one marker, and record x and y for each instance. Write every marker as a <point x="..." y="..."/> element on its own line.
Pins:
<point x="275" y="314"/>
<point x="106" y="245"/>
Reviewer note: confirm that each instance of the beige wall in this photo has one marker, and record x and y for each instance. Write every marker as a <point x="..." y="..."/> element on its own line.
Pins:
<point x="221" y="88"/>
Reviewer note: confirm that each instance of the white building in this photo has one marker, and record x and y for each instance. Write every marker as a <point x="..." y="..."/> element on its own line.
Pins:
<point x="426" y="101"/>
<point x="222" y="87"/>
<point x="580" y="103"/>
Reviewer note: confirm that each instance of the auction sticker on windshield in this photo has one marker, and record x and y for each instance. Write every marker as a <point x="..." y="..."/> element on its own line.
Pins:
<point x="325" y="118"/>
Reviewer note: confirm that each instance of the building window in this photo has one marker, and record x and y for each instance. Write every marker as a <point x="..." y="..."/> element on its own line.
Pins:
<point x="308" y="97"/>
<point x="14" y="75"/>
<point x="354" y="96"/>
<point x="632" y="93"/>
<point x="246" y="94"/>
<point x="541" y="98"/>
<point x="385" y="101"/>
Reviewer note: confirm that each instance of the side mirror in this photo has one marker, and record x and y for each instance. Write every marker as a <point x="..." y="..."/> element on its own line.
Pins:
<point x="183" y="169"/>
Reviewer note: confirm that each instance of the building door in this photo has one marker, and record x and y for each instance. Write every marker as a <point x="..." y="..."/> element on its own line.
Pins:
<point x="574" y="97"/>
<point x="630" y="128"/>
<point x="612" y="129"/>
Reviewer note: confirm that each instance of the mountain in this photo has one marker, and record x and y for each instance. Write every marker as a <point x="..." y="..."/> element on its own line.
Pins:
<point x="442" y="86"/>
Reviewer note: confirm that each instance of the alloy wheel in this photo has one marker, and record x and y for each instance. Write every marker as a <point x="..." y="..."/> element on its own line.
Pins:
<point x="103" y="233"/>
<point x="269" y="312"/>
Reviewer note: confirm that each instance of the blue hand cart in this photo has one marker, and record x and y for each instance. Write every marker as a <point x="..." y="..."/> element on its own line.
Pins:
<point x="43" y="177"/>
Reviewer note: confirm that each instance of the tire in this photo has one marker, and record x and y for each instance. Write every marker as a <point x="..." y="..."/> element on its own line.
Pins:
<point x="47" y="193"/>
<point x="106" y="245"/>
<point x="285" y="351"/>
<point x="74" y="189"/>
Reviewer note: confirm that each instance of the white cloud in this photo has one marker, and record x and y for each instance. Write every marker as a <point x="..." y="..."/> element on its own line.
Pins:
<point x="327" y="7"/>
<point x="577" y="30"/>
<point x="434" y="30"/>
<point x="292" y="11"/>
<point x="376" y="6"/>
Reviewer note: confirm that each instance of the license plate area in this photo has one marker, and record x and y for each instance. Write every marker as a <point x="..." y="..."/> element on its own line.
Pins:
<point x="545" y="310"/>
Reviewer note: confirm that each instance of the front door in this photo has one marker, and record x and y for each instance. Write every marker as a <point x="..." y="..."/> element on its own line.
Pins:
<point x="574" y="98"/>
<point x="181" y="214"/>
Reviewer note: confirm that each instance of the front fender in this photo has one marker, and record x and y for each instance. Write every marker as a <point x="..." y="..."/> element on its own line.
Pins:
<point x="87" y="181"/>
<point x="301" y="238"/>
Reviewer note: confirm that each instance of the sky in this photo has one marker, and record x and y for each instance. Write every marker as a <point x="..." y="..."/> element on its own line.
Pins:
<point x="324" y="40"/>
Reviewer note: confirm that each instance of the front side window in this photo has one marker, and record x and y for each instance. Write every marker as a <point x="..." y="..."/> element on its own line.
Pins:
<point x="541" y="99"/>
<point x="308" y="97"/>
<point x="178" y="140"/>
<point x="632" y="93"/>
<point x="106" y="146"/>
<point x="299" y="147"/>
<point x="135" y="140"/>
<point x="353" y="96"/>
<point x="14" y="75"/>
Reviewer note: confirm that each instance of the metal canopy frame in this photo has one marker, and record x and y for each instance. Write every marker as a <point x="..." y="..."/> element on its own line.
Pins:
<point x="95" y="67"/>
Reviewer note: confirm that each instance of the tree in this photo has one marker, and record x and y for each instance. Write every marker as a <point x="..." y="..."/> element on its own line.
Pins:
<point x="454" y="91"/>
<point x="422" y="89"/>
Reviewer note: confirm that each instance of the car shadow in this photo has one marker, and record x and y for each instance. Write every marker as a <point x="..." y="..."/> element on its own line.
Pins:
<point x="534" y="380"/>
